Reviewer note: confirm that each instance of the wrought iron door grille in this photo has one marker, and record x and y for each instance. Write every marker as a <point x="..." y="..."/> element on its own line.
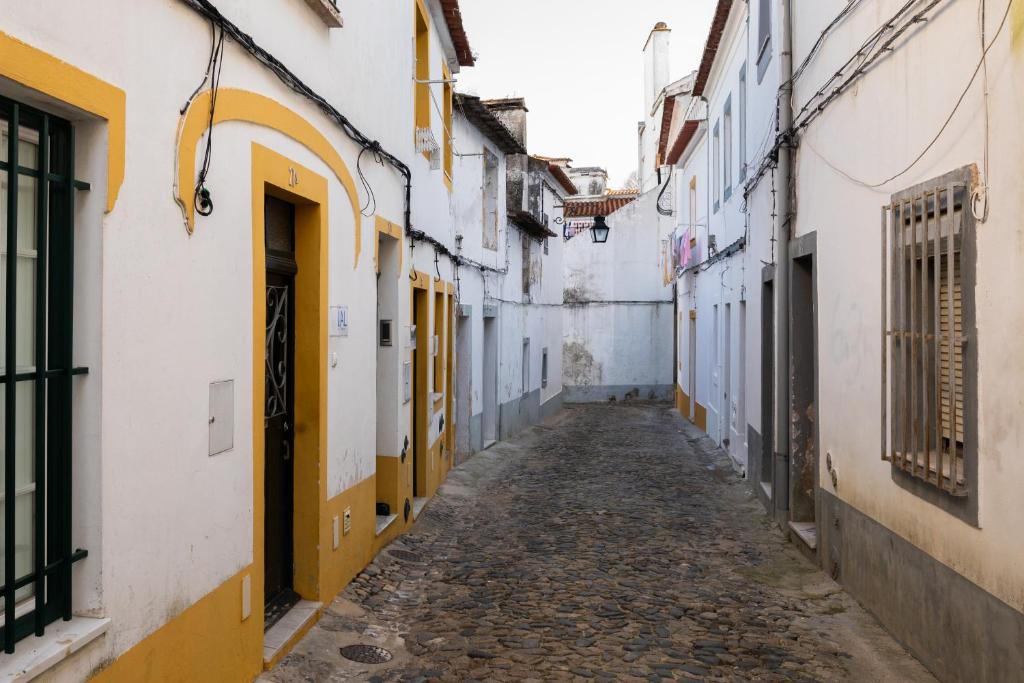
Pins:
<point x="925" y="311"/>
<point x="37" y="192"/>
<point x="276" y="382"/>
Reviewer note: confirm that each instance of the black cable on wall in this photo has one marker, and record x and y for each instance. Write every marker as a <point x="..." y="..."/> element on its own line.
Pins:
<point x="208" y="10"/>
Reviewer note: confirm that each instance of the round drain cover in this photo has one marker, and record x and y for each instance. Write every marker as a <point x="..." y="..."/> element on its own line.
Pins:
<point x="404" y="555"/>
<point x="366" y="654"/>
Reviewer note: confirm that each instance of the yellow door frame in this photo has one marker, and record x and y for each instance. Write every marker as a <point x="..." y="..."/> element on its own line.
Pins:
<point x="420" y="418"/>
<point x="281" y="177"/>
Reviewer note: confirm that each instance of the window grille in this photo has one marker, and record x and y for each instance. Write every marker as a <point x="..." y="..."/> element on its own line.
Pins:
<point x="37" y="207"/>
<point x="37" y="195"/>
<point x="927" y="318"/>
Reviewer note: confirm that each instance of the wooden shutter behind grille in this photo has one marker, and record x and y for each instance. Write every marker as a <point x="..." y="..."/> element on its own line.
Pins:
<point x="958" y="360"/>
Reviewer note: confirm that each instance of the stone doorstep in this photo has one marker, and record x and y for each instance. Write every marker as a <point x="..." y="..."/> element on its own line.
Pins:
<point x="767" y="488"/>
<point x="384" y="521"/>
<point x="807" y="532"/>
<point x="62" y="639"/>
<point x="418" y="504"/>
<point x="291" y="625"/>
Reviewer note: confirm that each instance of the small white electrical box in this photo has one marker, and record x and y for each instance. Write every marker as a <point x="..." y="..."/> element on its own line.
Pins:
<point x="336" y="529"/>
<point x="222" y="414"/>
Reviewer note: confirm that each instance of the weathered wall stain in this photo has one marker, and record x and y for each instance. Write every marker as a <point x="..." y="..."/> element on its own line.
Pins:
<point x="578" y="365"/>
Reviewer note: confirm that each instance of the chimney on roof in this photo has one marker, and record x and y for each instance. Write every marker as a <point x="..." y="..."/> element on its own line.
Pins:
<point x="656" y="63"/>
<point x="511" y="111"/>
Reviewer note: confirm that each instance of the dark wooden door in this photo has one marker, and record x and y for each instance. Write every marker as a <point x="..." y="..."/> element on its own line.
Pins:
<point x="278" y="423"/>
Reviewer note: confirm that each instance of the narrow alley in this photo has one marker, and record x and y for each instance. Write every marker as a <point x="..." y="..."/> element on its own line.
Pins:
<point x="612" y="542"/>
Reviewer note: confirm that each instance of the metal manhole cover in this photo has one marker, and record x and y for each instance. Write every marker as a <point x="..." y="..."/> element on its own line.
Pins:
<point x="404" y="555"/>
<point x="366" y="654"/>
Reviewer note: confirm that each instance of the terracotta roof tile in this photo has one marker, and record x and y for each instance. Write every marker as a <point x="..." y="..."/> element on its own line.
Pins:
<point x="453" y="17"/>
<point x="666" y="124"/>
<point x="718" y="22"/>
<point x="608" y="204"/>
<point x="559" y="173"/>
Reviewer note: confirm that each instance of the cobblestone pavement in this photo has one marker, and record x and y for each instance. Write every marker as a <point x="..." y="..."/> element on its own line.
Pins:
<point x="614" y="542"/>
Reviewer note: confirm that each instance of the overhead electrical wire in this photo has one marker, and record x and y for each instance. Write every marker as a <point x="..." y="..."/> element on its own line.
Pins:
<point x="208" y="10"/>
<point x="956" y="107"/>
<point x="200" y="194"/>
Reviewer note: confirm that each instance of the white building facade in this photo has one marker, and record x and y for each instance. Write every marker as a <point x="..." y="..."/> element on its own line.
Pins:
<point x="234" y="351"/>
<point x="844" y="328"/>
<point x="509" y="281"/>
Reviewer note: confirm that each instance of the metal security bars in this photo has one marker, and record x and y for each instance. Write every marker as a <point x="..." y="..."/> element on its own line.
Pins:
<point x="927" y="315"/>
<point x="37" y="196"/>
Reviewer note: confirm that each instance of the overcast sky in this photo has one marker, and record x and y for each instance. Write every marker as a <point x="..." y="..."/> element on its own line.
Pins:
<point x="578" y="64"/>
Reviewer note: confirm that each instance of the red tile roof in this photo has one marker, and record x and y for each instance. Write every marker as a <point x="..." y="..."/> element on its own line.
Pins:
<point x="561" y="177"/>
<point x="453" y="17"/>
<point x="682" y="140"/>
<point x="666" y="124"/>
<point x="612" y="201"/>
<point x="718" y="22"/>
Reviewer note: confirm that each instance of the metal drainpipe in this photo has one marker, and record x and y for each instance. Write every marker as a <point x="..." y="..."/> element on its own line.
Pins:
<point x="784" y="222"/>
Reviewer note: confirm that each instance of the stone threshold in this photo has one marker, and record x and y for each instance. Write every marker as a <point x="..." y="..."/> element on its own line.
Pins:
<point x="807" y="532"/>
<point x="292" y="626"/>
<point x="384" y="521"/>
<point x="418" y="504"/>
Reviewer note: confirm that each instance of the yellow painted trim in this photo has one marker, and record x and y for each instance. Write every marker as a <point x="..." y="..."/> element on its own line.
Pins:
<point x="421" y="91"/>
<point x="682" y="403"/>
<point x="420" y="280"/>
<point x="448" y="159"/>
<point x="438" y="329"/>
<point x="356" y="548"/>
<point x="700" y="417"/>
<point x="382" y="226"/>
<point x="250" y="107"/>
<point x="208" y="641"/>
<point x="40" y="71"/>
<point x="451" y="288"/>
<point x="420" y="290"/>
<point x="450" y="376"/>
<point x="271" y="174"/>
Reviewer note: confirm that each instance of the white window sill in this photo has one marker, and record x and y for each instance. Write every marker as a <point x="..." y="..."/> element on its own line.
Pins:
<point x="33" y="655"/>
<point x="326" y="10"/>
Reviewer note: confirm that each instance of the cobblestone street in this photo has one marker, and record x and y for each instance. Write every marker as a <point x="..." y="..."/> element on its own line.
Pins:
<point x="614" y="542"/>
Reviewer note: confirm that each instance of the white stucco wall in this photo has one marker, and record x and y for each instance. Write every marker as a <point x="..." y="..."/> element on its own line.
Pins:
<point x="164" y="522"/>
<point x="618" y="311"/>
<point x="728" y="371"/>
<point x="499" y="289"/>
<point x="889" y="133"/>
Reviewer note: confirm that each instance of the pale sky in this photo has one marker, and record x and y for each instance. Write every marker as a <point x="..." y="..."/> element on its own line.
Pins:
<point x="578" y="64"/>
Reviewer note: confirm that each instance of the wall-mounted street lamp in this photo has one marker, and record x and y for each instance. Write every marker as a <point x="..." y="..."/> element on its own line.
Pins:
<point x="599" y="231"/>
